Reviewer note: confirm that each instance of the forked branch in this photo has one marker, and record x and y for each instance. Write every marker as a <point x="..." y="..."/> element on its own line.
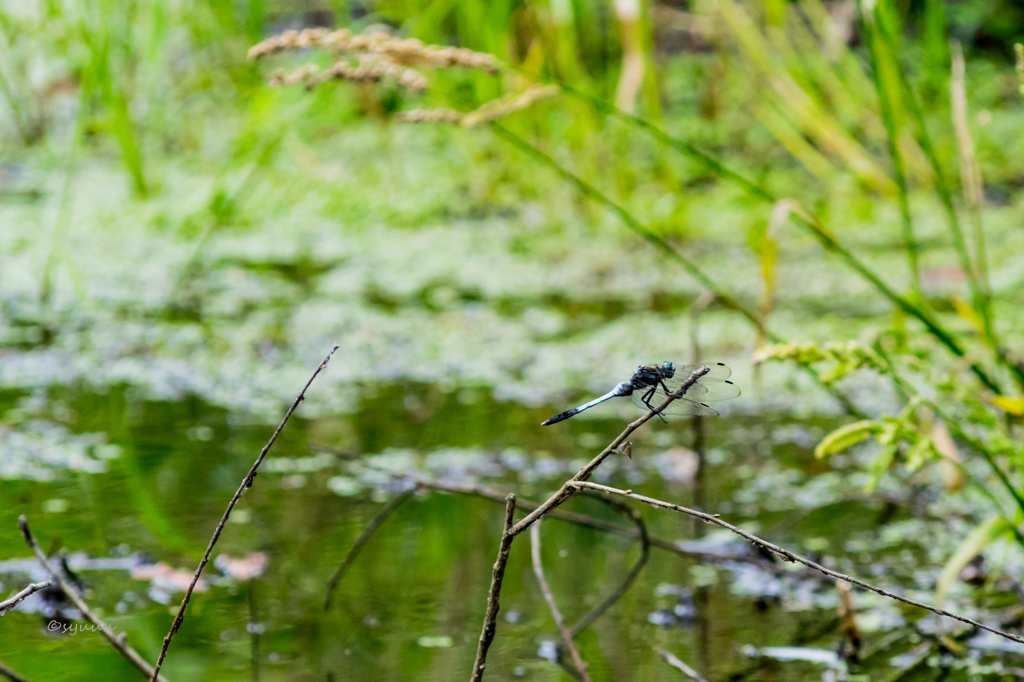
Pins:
<point x="548" y="506"/>
<point x="567" y="489"/>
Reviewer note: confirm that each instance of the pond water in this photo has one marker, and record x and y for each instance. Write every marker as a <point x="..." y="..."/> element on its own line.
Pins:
<point x="144" y="481"/>
<point x="135" y="398"/>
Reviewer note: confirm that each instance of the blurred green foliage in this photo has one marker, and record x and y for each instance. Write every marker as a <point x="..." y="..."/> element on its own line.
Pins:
<point x="845" y="108"/>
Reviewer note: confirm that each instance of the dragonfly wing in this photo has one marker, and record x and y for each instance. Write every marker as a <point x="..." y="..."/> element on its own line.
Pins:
<point x="679" y="406"/>
<point x="717" y="372"/>
<point x="722" y="390"/>
<point x="684" y="406"/>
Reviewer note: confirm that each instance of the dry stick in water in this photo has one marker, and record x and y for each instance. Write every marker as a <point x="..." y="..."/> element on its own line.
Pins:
<point x="538" y="570"/>
<point x="9" y="604"/>
<point x="117" y="641"/>
<point x="787" y="555"/>
<point x="497" y="575"/>
<point x="9" y="674"/>
<point x="246" y="484"/>
<point x="361" y="541"/>
<point x="679" y="665"/>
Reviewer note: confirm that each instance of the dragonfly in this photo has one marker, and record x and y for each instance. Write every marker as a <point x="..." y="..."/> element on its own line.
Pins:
<point x="692" y="386"/>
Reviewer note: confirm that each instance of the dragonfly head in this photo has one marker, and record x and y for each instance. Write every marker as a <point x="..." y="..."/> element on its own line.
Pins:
<point x="668" y="368"/>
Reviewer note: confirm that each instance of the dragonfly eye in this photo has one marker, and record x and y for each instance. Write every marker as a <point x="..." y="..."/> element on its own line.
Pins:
<point x="668" y="366"/>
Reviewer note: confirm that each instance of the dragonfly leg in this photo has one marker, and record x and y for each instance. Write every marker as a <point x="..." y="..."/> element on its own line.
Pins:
<point x="647" y="401"/>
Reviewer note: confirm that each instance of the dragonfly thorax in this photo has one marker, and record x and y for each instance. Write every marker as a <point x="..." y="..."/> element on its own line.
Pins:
<point x="652" y="375"/>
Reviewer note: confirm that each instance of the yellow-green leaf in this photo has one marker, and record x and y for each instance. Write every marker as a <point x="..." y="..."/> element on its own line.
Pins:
<point x="919" y="453"/>
<point x="846" y="437"/>
<point x="967" y="313"/>
<point x="980" y="538"/>
<point x="881" y="464"/>
<point x="1014" y="406"/>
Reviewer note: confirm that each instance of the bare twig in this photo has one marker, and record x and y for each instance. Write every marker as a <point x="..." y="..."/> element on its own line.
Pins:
<point x="361" y="541"/>
<point x="9" y="604"/>
<point x="538" y="570"/>
<point x="9" y="674"/>
<point x="497" y="575"/>
<point x="117" y="641"/>
<point x="679" y="665"/>
<point x="645" y="547"/>
<point x="787" y="555"/>
<point x="245" y="485"/>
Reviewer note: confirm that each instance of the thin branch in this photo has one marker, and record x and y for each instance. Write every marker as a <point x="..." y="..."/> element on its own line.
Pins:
<point x="645" y="549"/>
<point x="787" y="555"/>
<point x="679" y="665"/>
<point x="538" y="570"/>
<point x="6" y="606"/>
<point x="246" y="484"/>
<point x="9" y="674"/>
<point x="497" y="575"/>
<point x="119" y="642"/>
<point x="361" y="541"/>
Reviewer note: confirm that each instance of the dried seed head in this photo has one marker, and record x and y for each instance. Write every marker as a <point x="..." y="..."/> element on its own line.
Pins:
<point x="404" y="51"/>
<point x="293" y="40"/>
<point x="371" y="69"/>
<point x="431" y="116"/>
<point x="303" y="73"/>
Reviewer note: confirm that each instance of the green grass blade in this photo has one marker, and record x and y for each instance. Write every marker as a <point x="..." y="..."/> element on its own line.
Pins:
<point x="886" y="101"/>
<point x="942" y="187"/>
